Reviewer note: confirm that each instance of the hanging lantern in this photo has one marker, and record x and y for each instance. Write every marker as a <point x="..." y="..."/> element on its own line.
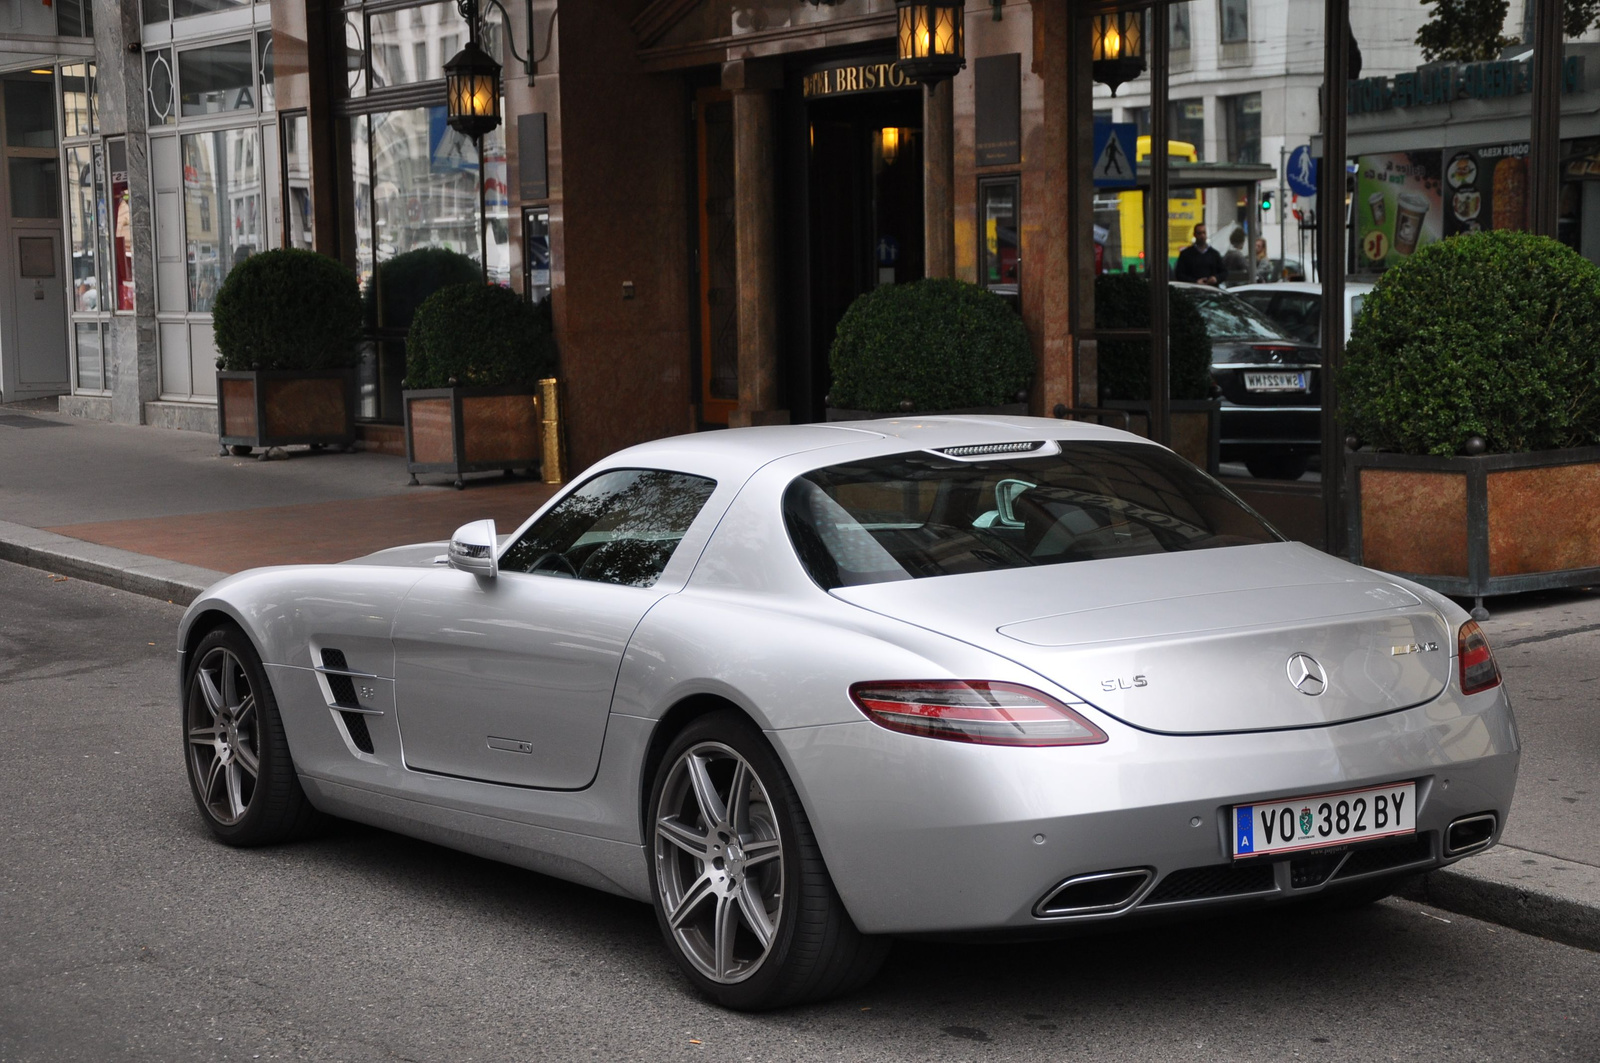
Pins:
<point x="931" y="38"/>
<point x="1117" y="47"/>
<point x="472" y="91"/>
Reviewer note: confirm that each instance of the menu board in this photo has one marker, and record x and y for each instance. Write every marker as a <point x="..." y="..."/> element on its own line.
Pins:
<point x="1398" y="207"/>
<point x="1486" y="188"/>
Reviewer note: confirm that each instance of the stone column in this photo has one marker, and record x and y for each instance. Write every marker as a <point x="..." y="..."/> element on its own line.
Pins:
<point x="1063" y="266"/>
<point x="756" y="242"/>
<point x="939" y="180"/>
<point x="133" y="357"/>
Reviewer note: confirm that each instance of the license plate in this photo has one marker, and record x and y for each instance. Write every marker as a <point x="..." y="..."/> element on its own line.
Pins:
<point x="1275" y="382"/>
<point x="1321" y="820"/>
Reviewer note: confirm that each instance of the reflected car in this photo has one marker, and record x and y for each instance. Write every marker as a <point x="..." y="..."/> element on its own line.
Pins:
<point x="806" y="688"/>
<point x="1270" y="382"/>
<point x="1296" y="308"/>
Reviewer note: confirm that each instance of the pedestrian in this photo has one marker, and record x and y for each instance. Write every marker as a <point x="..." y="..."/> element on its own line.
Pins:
<point x="1236" y="263"/>
<point x="1263" y="263"/>
<point x="1199" y="263"/>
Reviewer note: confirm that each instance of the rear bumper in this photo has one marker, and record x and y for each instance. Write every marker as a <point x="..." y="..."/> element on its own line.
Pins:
<point x="1276" y="427"/>
<point x="926" y="836"/>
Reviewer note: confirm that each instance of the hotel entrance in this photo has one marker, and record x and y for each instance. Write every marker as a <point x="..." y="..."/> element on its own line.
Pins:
<point x="863" y="186"/>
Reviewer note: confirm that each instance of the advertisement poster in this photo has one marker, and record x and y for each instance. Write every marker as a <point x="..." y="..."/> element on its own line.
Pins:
<point x="1486" y="188"/>
<point x="1398" y="207"/>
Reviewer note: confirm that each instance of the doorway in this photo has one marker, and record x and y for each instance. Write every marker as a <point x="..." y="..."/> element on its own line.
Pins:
<point x="864" y="189"/>
<point x="33" y="299"/>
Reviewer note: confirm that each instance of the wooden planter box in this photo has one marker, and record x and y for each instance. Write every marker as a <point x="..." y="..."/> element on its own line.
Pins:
<point x="286" y="407"/>
<point x="1015" y="409"/>
<point x="1196" y="427"/>
<point x="462" y="430"/>
<point x="1492" y="524"/>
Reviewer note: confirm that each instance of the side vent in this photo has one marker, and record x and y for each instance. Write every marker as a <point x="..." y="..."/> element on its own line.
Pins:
<point x="344" y="693"/>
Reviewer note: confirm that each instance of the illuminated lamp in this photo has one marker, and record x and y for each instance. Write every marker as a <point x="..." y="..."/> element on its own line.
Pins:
<point x="1117" y="47"/>
<point x="932" y="45"/>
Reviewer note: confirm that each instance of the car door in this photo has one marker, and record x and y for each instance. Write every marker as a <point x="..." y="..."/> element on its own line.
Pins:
<point x="509" y="679"/>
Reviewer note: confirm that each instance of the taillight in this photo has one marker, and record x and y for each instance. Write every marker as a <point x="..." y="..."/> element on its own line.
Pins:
<point x="1478" y="670"/>
<point x="990" y="714"/>
<point x="1269" y="349"/>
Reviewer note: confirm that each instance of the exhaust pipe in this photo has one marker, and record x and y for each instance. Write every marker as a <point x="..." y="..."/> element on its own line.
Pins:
<point x="1470" y="833"/>
<point x="1095" y="894"/>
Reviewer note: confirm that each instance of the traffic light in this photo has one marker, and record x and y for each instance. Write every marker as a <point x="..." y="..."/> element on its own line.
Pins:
<point x="1266" y="202"/>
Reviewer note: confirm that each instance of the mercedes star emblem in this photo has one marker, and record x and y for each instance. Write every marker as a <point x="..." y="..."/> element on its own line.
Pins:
<point x="1306" y="675"/>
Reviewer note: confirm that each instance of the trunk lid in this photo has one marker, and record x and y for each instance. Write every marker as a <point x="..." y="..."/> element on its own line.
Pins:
<point x="1196" y="643"/>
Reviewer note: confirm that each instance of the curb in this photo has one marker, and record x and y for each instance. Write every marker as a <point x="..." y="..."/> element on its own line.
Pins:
<point x="152" y="577"/>
<point x="1520" y="889"/>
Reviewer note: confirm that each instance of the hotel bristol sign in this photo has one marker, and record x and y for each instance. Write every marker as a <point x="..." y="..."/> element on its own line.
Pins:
<point x="1443" y="83"/>
<point x="853" y="76"/>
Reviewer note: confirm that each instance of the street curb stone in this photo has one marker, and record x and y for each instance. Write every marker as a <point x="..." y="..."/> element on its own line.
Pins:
<point x="153" y="577"/>
<point x="1523" y="890"/>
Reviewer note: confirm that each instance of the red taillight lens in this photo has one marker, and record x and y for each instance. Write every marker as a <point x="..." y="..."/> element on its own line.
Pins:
<point x="990" y="714"/>
<point x="1478" y="670"/>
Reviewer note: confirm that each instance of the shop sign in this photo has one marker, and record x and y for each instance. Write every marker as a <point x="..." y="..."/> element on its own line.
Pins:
<point x="1486" y="188"/>
<point x="1397" y="207"/>
<point x="1432" y="85"/>
<point x="852" y="76"/>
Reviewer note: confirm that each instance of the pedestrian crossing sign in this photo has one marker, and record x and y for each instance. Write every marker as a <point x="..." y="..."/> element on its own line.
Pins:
<point x="1113" y="155"/>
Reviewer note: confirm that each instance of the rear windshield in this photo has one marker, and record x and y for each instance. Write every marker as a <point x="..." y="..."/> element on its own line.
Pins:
<point x="1229" y="317"/>
<point x="907" y="516"/>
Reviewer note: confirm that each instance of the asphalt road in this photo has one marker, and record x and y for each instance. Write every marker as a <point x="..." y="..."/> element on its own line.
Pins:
<point x="126" y="933"/>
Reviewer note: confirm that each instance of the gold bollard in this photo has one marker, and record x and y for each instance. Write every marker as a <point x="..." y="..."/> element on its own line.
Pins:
<point x="550" y="430"/>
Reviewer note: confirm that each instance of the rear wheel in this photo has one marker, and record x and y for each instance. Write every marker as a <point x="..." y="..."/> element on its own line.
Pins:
<point x="1278" y="466"/>
<point x="240" y="771"/>
<point x="741" y="893"/>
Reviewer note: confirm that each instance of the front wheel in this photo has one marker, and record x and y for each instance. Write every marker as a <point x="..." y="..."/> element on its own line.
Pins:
<point x="741" y="892"/>
<point x="240" y="772"/>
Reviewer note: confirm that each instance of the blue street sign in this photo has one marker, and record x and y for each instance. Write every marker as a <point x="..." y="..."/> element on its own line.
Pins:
<point x="1113" y="155"/>
<point x="888" y="251"/>
<point x="1302" y="172"/>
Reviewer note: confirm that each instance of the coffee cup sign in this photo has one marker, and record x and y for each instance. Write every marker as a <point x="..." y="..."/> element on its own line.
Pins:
<point x="1412" y="209"/>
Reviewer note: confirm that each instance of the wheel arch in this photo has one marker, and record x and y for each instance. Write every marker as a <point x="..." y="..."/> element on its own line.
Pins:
<point x="681" y="714"/>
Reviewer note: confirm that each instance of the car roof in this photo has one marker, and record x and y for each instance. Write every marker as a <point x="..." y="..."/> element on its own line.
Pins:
<point x="1311" y="287"/>
<point x="737" y="451"/>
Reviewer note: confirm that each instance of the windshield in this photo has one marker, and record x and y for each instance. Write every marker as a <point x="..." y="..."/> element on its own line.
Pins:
<point x="1229" y="317"/>
<point x="909" y="516"/>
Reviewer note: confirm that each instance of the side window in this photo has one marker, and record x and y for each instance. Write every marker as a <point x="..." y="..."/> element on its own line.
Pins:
<point x="620" y="527"/>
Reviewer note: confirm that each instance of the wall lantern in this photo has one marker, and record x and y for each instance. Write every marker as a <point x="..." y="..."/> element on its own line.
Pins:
<point x="931" y="37"/>
<point x="1117" y="47"/>
<point x="889" y="137"/>
<point x="472" y="91"/>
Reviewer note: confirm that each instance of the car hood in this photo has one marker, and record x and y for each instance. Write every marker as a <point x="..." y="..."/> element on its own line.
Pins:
<point x="1196" y="643"/>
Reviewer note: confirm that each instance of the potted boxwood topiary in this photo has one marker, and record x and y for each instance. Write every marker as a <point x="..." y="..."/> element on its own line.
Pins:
<point x="287" y="323"/>
<point x="932" y="345"/>
<point x="1122" y="301"/>
<point x="476" y="356"/>
<point x="1473" y="380"/>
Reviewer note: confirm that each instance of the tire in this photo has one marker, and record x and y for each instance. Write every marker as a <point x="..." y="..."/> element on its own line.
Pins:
<point x="722" y="873"/>
<point x="240" y="771"/>
<point x="1278" y="465"/>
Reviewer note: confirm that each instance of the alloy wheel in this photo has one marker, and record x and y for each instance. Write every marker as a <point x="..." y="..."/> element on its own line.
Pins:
<point x="224" y="732"/>
<point x="719" y="862"/>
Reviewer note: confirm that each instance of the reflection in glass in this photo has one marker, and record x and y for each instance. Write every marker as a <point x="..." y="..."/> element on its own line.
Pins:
<point x="78" y="101"/>
<point x="91" y="358"/>
<point x="536" y="254"/>
<point x="264" y="55"/>
<point x="84" y="232"/>
<point x="218" y="78"/>
<point x="186" y="8"/>
<point x="358" y="207"/>
<point x="354" y="55"/>
<point x="223" y="207"/>
<point x="160" y="102"/>
<point x="425" y="184"/>
<point x="33" y="188"/>
<point x="998" y="214"/>
<point x="155" y="11"/>
<point x="496" y="208"/>
<point x="297" y="180"/>
<point x="121" y="226"/>
<point x="411" y="44"/>
<point x="30" y="114"/>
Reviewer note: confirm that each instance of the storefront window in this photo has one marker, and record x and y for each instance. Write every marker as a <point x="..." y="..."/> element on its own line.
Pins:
<point x="297" y="180"/>
<point x="412" y="44"/>
<point x="425" y="184"/>
<point x="84" y="231"/>
<point x="223" y="207"/>
<point x="30" y="114"/>
<point x="218" y="78"/>
<point x="78" y="100"/>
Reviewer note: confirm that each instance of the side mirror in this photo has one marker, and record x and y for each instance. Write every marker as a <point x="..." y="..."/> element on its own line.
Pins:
<point x="472" y="549"/>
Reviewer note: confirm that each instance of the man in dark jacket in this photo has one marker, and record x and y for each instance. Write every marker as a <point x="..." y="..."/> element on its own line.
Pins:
<point x="1198" y="263"/>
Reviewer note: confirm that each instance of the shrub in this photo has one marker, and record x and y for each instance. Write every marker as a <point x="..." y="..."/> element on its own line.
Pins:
<point x="287" y="309"/>
<point x="1122" y="300"/>
<point x="1493" y="334"/>
<point x="405" y="280"/>
<point x="479" y="335"/>
<point x="937" y="344"/>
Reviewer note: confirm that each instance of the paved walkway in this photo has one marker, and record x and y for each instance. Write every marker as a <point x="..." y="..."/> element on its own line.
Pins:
<point x="160" y="513"/>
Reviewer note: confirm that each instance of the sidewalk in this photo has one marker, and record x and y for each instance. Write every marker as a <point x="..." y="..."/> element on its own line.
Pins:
<point x="159" y="513"/>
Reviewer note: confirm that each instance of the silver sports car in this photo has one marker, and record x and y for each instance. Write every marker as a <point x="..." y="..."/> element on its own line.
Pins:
<point x="806" y="688"/>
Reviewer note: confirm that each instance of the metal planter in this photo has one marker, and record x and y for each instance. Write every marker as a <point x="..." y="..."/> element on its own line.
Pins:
<point x="1473" y="526"/>
<point x="286" y="407"/>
